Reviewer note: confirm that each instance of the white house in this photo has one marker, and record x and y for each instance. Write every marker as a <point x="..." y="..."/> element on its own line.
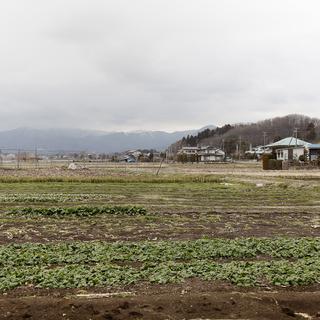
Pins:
<point x="290" y="153"/>
<point x="204" y="154"/>
<point x="289" y="149"/>
<point x="189" y="150"/>
<point x="211" y="154"/>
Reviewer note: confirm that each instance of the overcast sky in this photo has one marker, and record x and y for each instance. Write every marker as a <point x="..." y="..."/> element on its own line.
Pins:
<point x="157" y="64"/>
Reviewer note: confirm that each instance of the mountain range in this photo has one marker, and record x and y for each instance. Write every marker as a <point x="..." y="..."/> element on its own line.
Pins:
<point x="89" y="140"/>
<point x="229" y="136"/>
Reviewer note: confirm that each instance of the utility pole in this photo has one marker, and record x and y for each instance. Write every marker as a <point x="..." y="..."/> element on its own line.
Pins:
<point x="18" y="159"/>
<point x="264" y="141"/>
<point x="240" y="147"/>
<point x="295" y="133"/>
<point x="36" y="157"/>
<point x="224" y="158"/>
<point x="170" y="155"/>
<point x="160" y="166"/>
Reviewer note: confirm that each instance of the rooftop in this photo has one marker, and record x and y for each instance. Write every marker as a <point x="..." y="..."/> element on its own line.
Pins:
<point x="289" y="142"/>
<point x="314" y="146"/>
<point x="190" y="148"/>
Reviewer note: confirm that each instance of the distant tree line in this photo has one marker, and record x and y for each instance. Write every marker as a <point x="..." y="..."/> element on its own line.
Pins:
<point x="238" y="137"/>
<point x="193" y="141"/>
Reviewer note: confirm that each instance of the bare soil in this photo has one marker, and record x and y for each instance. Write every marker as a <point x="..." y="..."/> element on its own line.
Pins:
<point x="265" y="213"/>
<point x="182" y="226"/>
<point x="192" y="300"/>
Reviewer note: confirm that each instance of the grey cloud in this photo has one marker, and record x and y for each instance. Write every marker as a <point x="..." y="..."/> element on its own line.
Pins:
<point x="169" y="64"/>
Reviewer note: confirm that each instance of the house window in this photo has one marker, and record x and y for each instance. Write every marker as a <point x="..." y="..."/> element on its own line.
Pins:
<point x="280" y="154"/>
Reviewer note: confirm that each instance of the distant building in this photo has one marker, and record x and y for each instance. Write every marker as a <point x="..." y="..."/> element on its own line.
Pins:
<point x="258" y="151"/>
<point x="189" y="150"/>
<point x="289" y="149"/>
<point x="128" y="158"/>
<point x="203" y="154"/>
<point x="136" y="156"/>
<point x="8" y="157"/>
<point x="211" y="154"/>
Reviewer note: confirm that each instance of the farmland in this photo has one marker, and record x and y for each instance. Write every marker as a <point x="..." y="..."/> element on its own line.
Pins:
<point x="196" y="241"/>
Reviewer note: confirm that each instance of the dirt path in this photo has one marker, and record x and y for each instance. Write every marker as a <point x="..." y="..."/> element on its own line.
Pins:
<point x="165" y="306"/>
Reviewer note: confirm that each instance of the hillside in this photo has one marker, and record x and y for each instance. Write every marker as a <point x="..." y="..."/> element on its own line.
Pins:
<point x="253" y="133"/>
<point x="88" y="140"/>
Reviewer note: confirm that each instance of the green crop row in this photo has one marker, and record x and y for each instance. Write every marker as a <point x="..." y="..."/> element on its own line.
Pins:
<point x="84" y="211"/>
<point x="283" y="272"/>
<point x="50" y="197"/>
<point x="30" y="254"/>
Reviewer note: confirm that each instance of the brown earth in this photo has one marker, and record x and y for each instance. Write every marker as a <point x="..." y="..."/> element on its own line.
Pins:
<point x="184" y="226"/>
<point x="192" y="300"/>
<point x="249" y="169"/>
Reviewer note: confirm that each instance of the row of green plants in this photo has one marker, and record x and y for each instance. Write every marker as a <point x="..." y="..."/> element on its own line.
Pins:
<point x="51" y="197"/>
<point x="31" y="254"/>
<point x="259" y="273"/>
<point x="81" y="211"/>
